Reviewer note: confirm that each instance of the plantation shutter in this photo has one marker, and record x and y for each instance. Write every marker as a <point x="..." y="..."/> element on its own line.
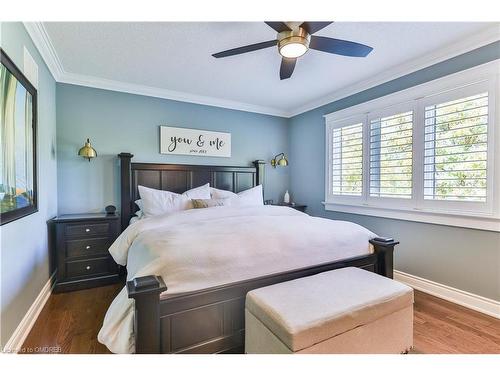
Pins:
<point x="347" y="160"/>
<point x="391" y="156"/>
<point x="455" y="151"/>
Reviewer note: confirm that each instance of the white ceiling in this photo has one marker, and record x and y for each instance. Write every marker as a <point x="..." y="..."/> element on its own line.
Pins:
<point x="176" y="56"/>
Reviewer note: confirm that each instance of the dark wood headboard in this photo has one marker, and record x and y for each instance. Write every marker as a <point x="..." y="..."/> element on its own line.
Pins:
<point x="179" y="178"/>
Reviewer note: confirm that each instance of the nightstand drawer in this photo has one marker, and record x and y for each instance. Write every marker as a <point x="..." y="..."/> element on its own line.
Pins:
<point x="88" y="267"/>
<point x="87" y="247"/>
<point x="87" y="230"/>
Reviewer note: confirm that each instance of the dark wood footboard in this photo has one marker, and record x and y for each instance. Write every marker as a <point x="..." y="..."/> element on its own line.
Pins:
<point x="212" y="320"/>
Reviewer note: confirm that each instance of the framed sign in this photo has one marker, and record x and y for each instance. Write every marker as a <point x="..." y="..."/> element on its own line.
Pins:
<point x="183" y="141"/>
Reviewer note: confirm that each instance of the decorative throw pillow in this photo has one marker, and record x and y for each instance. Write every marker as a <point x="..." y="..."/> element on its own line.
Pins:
<point x="205" y="203"/>
<point x="157" y="202"/>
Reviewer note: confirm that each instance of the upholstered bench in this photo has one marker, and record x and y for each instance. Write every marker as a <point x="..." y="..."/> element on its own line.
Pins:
<point x="348" y="310"/>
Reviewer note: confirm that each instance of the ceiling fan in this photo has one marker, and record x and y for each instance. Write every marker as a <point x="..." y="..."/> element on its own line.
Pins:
<point x="293" y="42"/>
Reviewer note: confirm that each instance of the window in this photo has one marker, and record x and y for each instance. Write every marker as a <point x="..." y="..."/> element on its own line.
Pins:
<point x="456" y="149"/>
<point x="429" y="153"/>
<point x="347" y="160"/>
<point x="391" y="149"/>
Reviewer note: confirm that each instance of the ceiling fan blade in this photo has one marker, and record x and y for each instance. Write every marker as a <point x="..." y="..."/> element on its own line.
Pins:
<point x="245" y="49"/>
<point x="312" y="27"/>
<point x="339" y="46"/>
<point x="287" y="67"/>
<point x="278" y="26"/>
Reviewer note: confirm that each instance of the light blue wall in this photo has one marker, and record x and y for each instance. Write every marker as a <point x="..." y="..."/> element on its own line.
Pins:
<point x="463" y="258"/>
<point x="24" y="255"/>
<point x="118" y="122"/>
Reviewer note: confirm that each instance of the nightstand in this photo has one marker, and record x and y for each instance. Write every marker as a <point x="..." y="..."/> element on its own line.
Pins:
<point x="298" y="207"/>
<point x="81" y="250"/>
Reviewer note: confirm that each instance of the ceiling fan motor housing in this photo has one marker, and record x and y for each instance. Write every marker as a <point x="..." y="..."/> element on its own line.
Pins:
<point x="297" y="39"/>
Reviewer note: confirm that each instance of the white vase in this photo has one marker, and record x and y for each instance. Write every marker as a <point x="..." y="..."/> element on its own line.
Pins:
<point x="286" y="198"/>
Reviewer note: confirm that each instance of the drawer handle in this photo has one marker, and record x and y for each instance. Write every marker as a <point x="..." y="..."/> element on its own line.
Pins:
<point x="87" y="230"/>
<point x="88" y="267"/>
<point x="87" y="247"/>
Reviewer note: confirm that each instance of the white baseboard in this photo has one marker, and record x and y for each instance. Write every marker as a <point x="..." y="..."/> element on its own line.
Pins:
<point x="16" y="341"/>
<point x="460" y="297"/>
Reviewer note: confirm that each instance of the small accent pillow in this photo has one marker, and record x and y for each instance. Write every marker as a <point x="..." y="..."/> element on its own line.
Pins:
<point x="205" y="203"/>
<point x="157" y="202"/>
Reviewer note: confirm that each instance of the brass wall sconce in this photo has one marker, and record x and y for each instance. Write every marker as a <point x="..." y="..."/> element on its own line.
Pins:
<point x="87" y="151"/>
<point x="282" y="162"/>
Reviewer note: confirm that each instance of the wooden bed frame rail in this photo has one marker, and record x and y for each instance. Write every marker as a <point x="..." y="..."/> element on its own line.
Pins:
<point x="209" y="320"/>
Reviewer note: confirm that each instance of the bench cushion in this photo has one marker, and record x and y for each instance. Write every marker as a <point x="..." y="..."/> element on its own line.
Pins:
<point x="306" y="311"/>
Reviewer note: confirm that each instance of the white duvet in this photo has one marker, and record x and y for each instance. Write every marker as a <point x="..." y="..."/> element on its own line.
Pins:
<point x="202" y="248"/>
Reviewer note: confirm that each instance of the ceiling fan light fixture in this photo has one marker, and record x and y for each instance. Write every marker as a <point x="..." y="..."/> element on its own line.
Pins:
<point x="293" y="50"/>
<point x="293" y="43"/>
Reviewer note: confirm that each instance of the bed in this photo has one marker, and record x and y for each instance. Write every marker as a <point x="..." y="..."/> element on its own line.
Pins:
<point x="204" y="312"/>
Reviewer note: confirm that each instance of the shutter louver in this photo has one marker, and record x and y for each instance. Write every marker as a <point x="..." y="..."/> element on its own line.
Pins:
<point x="455" y="154"/>
<point x="391" y="160"/>
<point x="347" y="160"/>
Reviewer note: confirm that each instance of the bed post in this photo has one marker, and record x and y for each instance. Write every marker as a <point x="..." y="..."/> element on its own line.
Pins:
<point x="125" y="188"/>
<point x="384" y="249"/>
<point x="259" y="177"/>
<point x="146" y="294"/>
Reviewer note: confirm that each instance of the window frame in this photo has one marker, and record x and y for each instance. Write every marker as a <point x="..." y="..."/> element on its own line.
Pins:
<point x="480" y="215"/>
<point x="464" y="206"/>
<point x="397" y="203"/>
<point x="346" y="199"/>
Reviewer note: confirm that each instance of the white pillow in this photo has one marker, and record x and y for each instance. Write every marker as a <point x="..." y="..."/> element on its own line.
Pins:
<point x="200" y="192"/>
<point x="250" y="197"/>
<point x="138" y="202"/>
<point x="157" y="202"/>
<point x="221" y="194"/>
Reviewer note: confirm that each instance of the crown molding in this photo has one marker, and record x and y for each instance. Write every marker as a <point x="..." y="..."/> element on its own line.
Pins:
<point x="106" y="84"/>
<point x="42" y="41"/>
<point x="486" y="36"/>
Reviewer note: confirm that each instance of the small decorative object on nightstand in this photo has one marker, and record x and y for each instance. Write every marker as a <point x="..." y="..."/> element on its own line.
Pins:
<point x="286" y="198"/>
<point x="110" y="210"/>
<point x="81" y="250"/>
<point x="299" y="207"/>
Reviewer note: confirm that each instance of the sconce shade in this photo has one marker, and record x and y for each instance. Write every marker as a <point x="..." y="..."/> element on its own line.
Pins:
<point x="87" y="151"/>
<point x="282" y="162"/>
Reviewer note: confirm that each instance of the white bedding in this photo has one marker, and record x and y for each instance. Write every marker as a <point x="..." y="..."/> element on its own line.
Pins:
<point x="202" y="248"/>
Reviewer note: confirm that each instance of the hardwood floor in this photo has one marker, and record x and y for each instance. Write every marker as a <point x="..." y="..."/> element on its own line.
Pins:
<point x="443" y="327"/>
<point x="71" y="321"/>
